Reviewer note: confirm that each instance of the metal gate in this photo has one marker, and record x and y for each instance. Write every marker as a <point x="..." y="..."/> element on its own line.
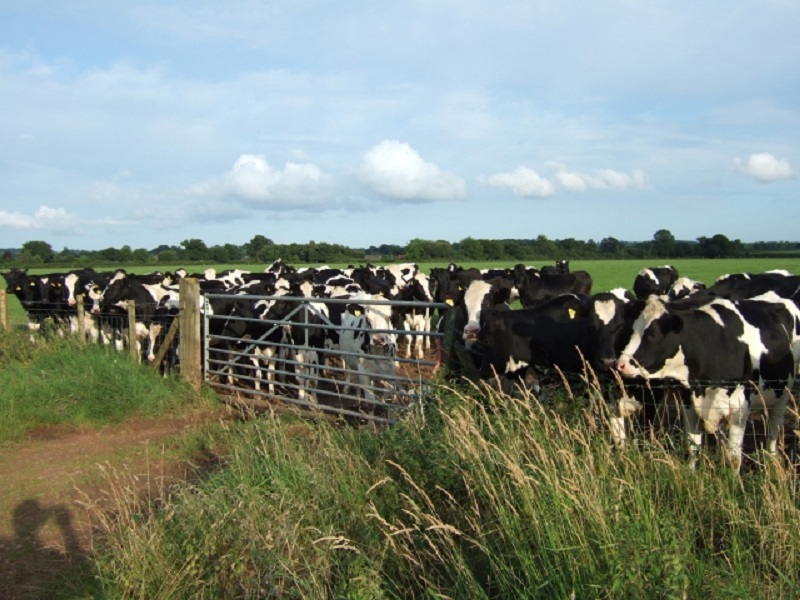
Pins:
<point x="285" y="363"/>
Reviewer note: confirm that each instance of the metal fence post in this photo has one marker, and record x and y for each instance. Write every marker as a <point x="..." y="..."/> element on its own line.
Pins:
<point x="191" y="366"/>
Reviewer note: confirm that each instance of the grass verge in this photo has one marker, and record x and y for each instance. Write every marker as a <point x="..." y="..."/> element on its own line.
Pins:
<point x="64" y="382"/>
<point x="477" y="496"/>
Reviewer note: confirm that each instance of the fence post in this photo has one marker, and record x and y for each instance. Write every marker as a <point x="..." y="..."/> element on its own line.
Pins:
<point x="189" y="326"/>
<point x="4" y="310"/>
<point x="132" y="331"/>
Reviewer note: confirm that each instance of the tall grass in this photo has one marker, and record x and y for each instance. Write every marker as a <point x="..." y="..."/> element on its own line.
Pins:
<point x="61" y="381"/>
<point x="477" y="496"/>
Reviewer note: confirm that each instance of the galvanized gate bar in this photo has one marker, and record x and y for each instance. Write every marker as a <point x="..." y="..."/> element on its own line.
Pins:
<point x="244" y="372"/>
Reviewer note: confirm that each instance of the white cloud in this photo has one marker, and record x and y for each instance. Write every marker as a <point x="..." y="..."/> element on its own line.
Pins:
<point x="253" y="180"/>
<point x="604" y="179"/>
<point x="765" y="167"/>
<point x="523" y="182"/>
<point x="572" y="181"/>
<point x="43" y="217"/>
<point x="395" y="169"/>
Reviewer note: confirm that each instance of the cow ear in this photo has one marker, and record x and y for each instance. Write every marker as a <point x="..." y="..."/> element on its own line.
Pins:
<point x="504" y="295"/>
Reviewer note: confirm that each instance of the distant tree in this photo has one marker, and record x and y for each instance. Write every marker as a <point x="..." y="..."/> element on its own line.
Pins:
<point x="471" y="249"/>
<point x="493" y="249"/>
<point x="542" y="248"/>
<point x="141" y="256"/>
<point x="610" y="247"/>
<point x="719" y="246"/>
<point x="194" y="250"/>
<point x="663" y="243"/>
<point x="168" y="257"/>
<point x="257" y="247"/>
<point x="37" y="248"/>
<point x="110" y="255"/>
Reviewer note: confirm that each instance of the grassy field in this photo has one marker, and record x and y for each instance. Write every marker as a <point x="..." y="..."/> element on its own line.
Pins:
<point x="606" y="274"/>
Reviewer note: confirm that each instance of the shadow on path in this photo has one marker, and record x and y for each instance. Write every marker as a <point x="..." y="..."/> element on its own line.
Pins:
<point x="31" y="568"/>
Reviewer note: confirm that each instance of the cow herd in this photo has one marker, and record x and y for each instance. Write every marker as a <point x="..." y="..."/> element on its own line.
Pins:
<point x="724" y="350"/>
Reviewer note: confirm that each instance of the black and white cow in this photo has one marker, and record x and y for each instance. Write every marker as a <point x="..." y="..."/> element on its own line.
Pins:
<point x="654" y="280"/>
<point x="748" y="285"/>
<point x="714" y="351"/>
<point x="414" y="318"/>
<point x="515" y="342"/>
<point x="535" y="286"/>
<point x="369" y="348"/>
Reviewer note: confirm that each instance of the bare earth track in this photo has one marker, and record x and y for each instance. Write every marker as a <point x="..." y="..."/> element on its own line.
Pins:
<point x="49" y="478"/>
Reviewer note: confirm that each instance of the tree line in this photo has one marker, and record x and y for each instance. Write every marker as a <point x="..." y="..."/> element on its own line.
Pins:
<point x="261" y="249"/>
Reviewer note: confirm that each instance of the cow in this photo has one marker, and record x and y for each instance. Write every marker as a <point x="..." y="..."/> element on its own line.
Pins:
<point x="561" y="267"/>
<point x="414" y="318"/>
<point x="535" y="287"/>
<point x="714" y="352"/>
<point x="654" y="280"/>
<point x="369" y="348"/>
<point x="29" y="292"/>
<point x="748" y="285"/>
<point x="514" y="343"/>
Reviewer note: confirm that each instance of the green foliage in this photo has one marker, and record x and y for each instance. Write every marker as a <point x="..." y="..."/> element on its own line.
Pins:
<point x="541" y="249"/>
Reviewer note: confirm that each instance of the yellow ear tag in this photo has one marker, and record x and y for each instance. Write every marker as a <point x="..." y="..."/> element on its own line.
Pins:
<point x="571" y="312"/>
<point x="357" y="313"/>
<point x="449" y="302"/>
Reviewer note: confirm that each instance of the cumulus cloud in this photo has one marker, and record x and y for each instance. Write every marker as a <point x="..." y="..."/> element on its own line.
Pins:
<point x="765" y="167"/>
<point x="395" y="169"/>
<point x="43" y="217"/>
<point x="522" y="181"/>
<point x="253" y="180"/>
<point x="603" y="179"/>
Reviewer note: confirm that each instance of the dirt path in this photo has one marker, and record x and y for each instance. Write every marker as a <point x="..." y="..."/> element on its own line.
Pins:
<point x="47" y="480"/>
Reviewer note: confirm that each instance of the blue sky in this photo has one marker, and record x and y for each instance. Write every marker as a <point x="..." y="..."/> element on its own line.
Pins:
<point x="360" y="123"/>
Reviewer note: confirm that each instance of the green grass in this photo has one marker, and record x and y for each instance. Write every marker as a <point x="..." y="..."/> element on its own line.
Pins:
<point x="64" y="382"/>
<point x="480" y="496"/>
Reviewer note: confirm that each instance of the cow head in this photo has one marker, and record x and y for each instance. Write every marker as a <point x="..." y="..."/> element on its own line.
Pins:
<point x="480" y="296"/>
<point x="654" y="348"/>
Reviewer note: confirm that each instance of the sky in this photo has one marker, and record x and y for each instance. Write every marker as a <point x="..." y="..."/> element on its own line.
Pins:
<point x="368" y="122"/>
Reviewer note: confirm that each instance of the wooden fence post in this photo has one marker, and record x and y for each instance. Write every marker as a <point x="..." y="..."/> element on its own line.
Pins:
<point x="191" y="366"/>
<point x="137" y="356"/>
<point x="4" y="310"/>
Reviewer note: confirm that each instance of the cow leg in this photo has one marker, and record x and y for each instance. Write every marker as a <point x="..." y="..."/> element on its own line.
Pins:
<point x="693" y="427"/>
<point x="303" y="369"/>
<point x="775" y="407"/>
<point x="740" y="410"/>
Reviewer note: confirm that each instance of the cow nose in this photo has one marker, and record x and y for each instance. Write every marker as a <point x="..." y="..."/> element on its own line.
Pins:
<point x="471" y="332"/>
<point x="608" y="363"/>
